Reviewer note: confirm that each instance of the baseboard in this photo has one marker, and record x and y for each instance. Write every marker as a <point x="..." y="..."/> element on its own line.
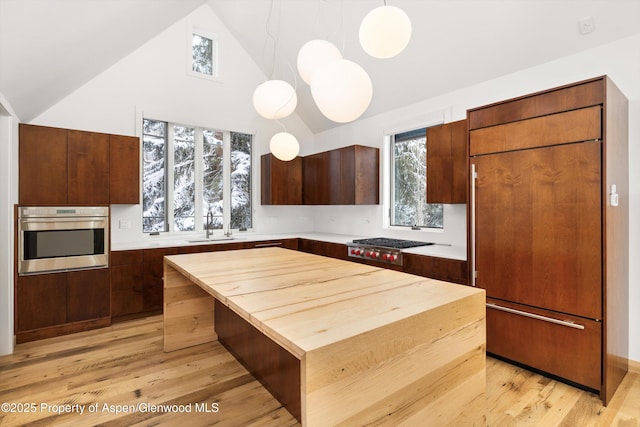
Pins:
<point x="634" y="366"/>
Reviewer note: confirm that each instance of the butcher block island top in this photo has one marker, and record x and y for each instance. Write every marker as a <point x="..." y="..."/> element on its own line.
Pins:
<point x="361" y="344"/>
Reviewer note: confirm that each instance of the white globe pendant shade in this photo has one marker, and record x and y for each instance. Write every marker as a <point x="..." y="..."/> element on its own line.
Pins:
<point x="284" y="146"/>
<point x="313" y="55"/>
<point x="385" y="32"/>
<point x="342" y="90"/>
<point x="275" y="99"/>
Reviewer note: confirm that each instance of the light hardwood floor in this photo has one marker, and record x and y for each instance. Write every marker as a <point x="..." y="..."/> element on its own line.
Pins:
<point x="124" y="365"/>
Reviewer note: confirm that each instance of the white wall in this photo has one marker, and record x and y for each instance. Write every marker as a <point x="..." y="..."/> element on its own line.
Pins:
<point x="619" y="60"/>
<point x="154" y="81"/>
<point x="8" y="197"/>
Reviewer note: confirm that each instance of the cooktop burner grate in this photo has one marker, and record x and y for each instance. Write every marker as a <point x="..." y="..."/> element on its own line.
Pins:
<point x="391" y="243"/>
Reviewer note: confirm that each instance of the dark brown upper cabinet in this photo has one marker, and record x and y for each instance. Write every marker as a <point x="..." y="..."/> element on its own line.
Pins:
<point x="345" y="176"/>
<point x="124" y="170"/>
<point x="62" y="166"/>
<point x="447" y="163"/>
<point x="281" y="182"/>
<point x="88" y="168"/>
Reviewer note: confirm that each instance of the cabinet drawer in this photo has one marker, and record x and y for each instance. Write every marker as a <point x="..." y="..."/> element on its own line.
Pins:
<point x="561" y="128"/>
<point x="562" y="345"/>
<point x="585" y="94"/>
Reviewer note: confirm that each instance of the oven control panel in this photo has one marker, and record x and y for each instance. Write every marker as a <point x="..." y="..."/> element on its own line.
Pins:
<point x="372" y="253"/>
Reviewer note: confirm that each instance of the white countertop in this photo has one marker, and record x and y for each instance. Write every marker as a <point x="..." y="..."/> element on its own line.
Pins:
<point x="436" y="250"/>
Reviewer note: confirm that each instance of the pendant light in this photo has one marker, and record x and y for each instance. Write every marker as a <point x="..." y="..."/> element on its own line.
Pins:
<point x="385" y="32"/>
<point x="275" y="99"/>
<point x="313" y="55"/>
<point x="284" y="146"/>
<point x="342" y="90"/>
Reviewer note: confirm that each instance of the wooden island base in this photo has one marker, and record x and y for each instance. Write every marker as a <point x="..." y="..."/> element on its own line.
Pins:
<point x="337" y="343"/>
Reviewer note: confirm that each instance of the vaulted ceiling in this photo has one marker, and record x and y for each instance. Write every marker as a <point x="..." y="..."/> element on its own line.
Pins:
<point x="49" y="48"/>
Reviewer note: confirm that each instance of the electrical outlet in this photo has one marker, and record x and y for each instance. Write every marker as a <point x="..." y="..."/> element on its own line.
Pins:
<point x="124" y="224"/>
<point x="587" y="25"/>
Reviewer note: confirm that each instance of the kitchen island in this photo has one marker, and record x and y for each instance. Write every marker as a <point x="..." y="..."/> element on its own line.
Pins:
<point x="336" y="342"/>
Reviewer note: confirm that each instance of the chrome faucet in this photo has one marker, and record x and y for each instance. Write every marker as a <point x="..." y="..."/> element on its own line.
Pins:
<point x="209" y="223"/>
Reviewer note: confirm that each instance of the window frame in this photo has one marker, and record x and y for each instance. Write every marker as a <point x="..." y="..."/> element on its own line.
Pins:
<point x="215" y="52"/>
<point x="431" y="119"/>
<point x="199" y="221"/>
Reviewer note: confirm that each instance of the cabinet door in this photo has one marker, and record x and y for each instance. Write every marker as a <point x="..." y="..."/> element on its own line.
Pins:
<point x="447" y="163"/>
<point x="41" y="301"/>
<point x="153" y="272"/>
<point x="449" y="270"/>
<point x="43" y="165"/>
<point x="538" y="227"/>
<point x="126" y="283"/>
<point x="316" y="179"/>
<point x="281" y="182"/>
<point x="567" y="346"/>
<point x="124" y="169"/>
<point x="88" y="295"/>
<point x="88" y="174"/>
<point x="366" y="164"/>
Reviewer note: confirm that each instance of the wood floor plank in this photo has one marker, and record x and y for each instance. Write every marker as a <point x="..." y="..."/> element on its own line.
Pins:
<point x="125" y="365"/>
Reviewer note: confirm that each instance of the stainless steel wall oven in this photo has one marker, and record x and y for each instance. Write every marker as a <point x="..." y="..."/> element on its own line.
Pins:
<point x="62" y="238"/>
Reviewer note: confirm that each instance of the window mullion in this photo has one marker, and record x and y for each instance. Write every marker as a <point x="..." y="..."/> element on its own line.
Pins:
<point x="226" y="175"/>
<point x="170" y="175"/>
<point x="199" y="180"/>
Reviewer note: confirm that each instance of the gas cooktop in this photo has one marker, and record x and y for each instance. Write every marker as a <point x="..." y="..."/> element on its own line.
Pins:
<point x="382" y="249"/>
<point x="391" y="243"/>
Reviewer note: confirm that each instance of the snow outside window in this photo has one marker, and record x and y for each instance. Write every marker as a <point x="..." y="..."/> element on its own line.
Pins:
<point x="210" y="171"/>
<point x="409" y="205"/>
<point x="203" y="53"/>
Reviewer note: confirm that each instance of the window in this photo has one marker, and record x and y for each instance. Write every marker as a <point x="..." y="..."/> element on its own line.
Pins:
<point x="408" y="187"/>
<point x="203" y="167"/>
<point x="204" y="54"/>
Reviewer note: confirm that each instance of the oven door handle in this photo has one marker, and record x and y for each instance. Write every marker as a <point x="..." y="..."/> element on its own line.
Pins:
<point x="65" y="219"/>
<point x="43" y="224"/>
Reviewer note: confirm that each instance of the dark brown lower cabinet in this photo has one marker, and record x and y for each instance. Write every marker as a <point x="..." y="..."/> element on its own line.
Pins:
<point x="88" y="295"/>
<point x="137" y="286"/>
<point x="152" y="287"/>
<point x="272" y="365"/>
<point x="446" y="269"/>
<point x="55" y="304"/>
<point x="559" y="344"/>
<point x="126" y="283"/>
<point x="317" y="247"/>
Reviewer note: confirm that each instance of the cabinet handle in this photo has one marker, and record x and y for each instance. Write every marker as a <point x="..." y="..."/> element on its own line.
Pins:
<point x="474" y="177"/>
<point x="266" y="245"/>
<point x="536" y="316"/>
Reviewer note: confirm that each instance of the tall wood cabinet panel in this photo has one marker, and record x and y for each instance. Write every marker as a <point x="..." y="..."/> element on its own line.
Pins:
<point x="547" y="243"/>
<point x="447" y="163"/>
<point x="43" y="165"/>
<point x="281" y="182"/>
<point x="538" y="227"/>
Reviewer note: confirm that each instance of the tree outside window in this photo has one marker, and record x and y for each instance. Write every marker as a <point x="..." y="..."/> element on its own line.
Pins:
<point x="196" y="166"/>
<point x="409" y="205"/>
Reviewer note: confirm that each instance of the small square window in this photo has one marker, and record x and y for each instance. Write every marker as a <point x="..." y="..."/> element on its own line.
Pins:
<point x="203" y="54"/>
